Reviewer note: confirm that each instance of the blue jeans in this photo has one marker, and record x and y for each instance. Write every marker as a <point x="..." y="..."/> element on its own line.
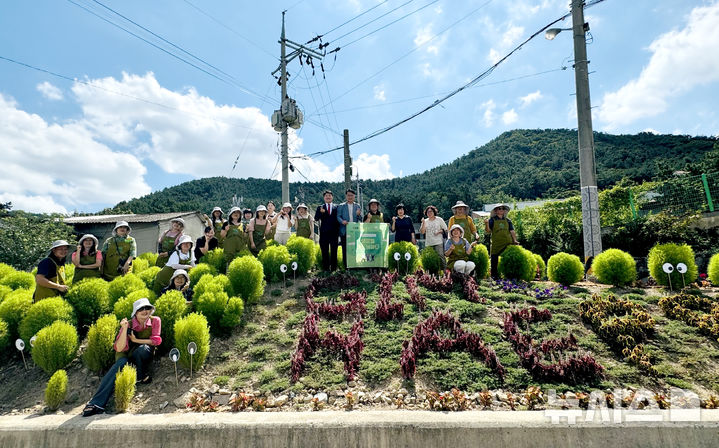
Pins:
<point x="141" y="358"/>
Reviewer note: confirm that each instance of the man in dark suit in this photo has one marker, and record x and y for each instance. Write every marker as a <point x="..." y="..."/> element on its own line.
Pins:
<point x="326" y="215"/>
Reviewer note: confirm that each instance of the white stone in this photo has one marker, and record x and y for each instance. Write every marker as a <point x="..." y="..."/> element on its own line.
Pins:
<point x="321" y="396"/>
<point x="281" y="400"/>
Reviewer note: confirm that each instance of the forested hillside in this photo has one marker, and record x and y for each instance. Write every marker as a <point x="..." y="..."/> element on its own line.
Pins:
<point x="520" y="164"/>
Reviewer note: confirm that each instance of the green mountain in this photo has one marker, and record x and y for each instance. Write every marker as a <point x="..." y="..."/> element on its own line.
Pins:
<point x="520" y="164"/>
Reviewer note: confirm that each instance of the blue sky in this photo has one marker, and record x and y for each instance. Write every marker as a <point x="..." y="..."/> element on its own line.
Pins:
<point x="136" y="119"/>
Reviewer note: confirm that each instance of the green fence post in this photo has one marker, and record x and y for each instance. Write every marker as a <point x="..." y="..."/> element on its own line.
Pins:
<point x="706" y="190"/>
<point x="631" y="204"/>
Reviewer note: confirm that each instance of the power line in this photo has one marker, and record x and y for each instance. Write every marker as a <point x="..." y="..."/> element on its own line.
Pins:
<point x="373" y="20"/>
<point x="348" y="21"/>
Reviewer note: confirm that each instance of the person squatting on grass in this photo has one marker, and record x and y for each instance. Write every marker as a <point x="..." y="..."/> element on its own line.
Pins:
<point x="457" y="250"/>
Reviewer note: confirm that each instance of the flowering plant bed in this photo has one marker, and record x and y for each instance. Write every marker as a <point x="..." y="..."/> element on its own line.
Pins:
<point x="694" y="311"/>
<point x="386" y="309"/>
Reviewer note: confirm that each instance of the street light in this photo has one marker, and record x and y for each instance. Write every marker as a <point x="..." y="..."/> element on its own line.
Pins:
<point x="587" y="170"/>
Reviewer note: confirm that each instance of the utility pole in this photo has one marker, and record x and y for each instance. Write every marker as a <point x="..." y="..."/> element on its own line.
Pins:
<point x="587" y="170"/>
<point x="348" y="160"/>
<point x="289" y="114"/>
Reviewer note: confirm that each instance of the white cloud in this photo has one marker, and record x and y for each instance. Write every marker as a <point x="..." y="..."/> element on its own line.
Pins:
<point x="52" y="167"/>
<point x="49" y="91"/>
<point x="509" y="37"/>
<point x="530" y="98"/>
<point x="424" y="35"/>
<point x="489" y="115"/>
<point x="379" y="93"/>
<point x="510" y="117"/>
<point x="681" y="60"/>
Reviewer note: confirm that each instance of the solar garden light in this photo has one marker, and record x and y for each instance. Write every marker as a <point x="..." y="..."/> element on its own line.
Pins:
<point x="397" y="256"/>
<point x="294" y="267"/>
<point x="191" y="349"/>
<point x="20" y="345"/>
<point x="283" y="269"/>
<point x="407" y="256"/>
<point x="682" y="269"/>
<point x="668" y="269"/>
<point x="175" y="356"/>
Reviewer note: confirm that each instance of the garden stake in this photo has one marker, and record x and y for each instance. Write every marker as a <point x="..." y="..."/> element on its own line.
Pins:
<point x="20" y="345"/>
<point x="175" y="356"/>
<point x="191" y="348"/>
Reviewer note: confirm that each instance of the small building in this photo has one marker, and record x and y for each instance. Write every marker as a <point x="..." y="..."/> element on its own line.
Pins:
<point x="146" y="229"/>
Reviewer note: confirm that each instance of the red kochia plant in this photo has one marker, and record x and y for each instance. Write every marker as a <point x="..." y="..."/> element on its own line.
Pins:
<point x="469" y="287"/>
<point x="354" y="302"/>
<point x="426" y="338"/>
<point x="385" y="309"/>
<point x="574" y="369"/>
<point x="441" y="283"/>
<point x="414" y="295"/>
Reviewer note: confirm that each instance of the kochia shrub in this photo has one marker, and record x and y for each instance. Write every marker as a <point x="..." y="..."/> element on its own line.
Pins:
<point x="199" y="270"/>
<point x="517" y="263"/>
<point x="192" y="328"/>
<point x="139" y="265"/>
<point x="150" y="257"/>
<point x="69" y="273"/>
<point x="13" y="309"/>
<point x="55" y="346"/>
<point x="99" y="353"/>
<point x="148" y="275"/>
<point x="214" y="305"/>
<point x="43" y="313"/>
<point x="305" y="250"/>
<point x="19" y="280"/>
<point x="4" y="290"/>
<point x="672" y="254"/>
<point x="713" y="269"/>
<point x="480" y="257"/>
<point x="403" y="247"/>
<point x="541" y="266"/>
<point x="272" y="258"/>
<point x="170" y="307"/>
<point x="56" y="390"/>
<point x="4" y="337"/>
<point x="124" y="285"/>
<point x="615" y="267"/>
<point x="209" y="283"/>
<point x="215" y="258"/>
<point x="5" y="269"/>
<point x="123" y="307"/>
<point x="247" y="277"/>
<point x="125" y="387"/>
<point x="430" y="260"/>
<point x="565" y="268"/>
<point x="233" y="314"/>
<point x="90" y="299"/>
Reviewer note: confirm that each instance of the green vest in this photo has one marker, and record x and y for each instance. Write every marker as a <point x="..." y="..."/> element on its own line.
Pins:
<point x="167" y="245"/>
<point x="458" y="253"/>
<point x="86" y="260"/>
<point x="143" y="334"/>
<point x="162" y="279"/>
<point x="218" y="229"/>
<point x="258" y="235"/>
<point x="501" y="238"/>
<point x="303" y="227"/>
<point x="113" y="256"/>
<point x="42" y="292"/>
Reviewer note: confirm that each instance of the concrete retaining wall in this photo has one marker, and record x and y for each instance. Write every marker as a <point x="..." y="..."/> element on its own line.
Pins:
<point x="376" y="429"/>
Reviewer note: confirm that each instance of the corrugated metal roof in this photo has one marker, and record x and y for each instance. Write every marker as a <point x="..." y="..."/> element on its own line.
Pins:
<point x="100" y="219"/>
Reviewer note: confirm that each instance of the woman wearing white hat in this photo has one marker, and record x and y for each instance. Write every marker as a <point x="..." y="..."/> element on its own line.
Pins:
<point x="217" y="222"/>
<point x="135" y="343"/>
<point x="180" y="281"/>
<point x="502" y="235"/>
<point x="461" y="217"/>
<point x="50" y="278"/>
<point x="168" y="240"/>
<point x="87" y="259"/>
<point x="260" y="229"/>
<point x="283" y="223"/>
<point x="233" y="234"/>
<point x="457" y="250"/>
<point x="182" y="258"/>
<point x="118" y="251"/>
<point x="304" y="223"/>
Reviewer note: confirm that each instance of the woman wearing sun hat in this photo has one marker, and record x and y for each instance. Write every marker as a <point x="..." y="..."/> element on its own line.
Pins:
<point x="502" y="235"/>
<point x="461" y="217"/>
<point x="304" y="223"/>
<point x="233" y="234"/>
<point x="457" y="250"/>
<point x="118" y="251"/>
<point x="374" y="215"/>
<point x="182" y="258"/>
<point x="50" y="278"/>
<point x="135" y="343"/>
<point x="167" y="242"/>
<point x="87" y="258"/>
<point x="260" y="229"/>
<point x="217" y="222"/>
<point x="180" y="281"/>
<point x="283" y="223"/>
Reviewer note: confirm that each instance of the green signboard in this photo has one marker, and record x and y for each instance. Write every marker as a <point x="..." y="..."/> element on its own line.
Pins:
<point x="367" y="245"/>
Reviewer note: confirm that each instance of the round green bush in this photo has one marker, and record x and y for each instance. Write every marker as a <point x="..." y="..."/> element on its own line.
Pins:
<point x="304" y="249"/>
<point x="192" y="328"/>
<point x="272" y="258"/>
<point x="99" y="353"/>
<point x="90" y="300"/>
<point x="13" y="309"/>
<point x="215" y="306"/>
<point x="170" y="307"/>
<point x="150" y="257"/>
<point x="124" y="285"/>
<point x="713" y="269"/>
<point x="402" y="247"/>
<point x="139" y="265"/>
<point x="4" y="290"/>
<point x="4" y="337"/>
<point x="247" y="277"/>
<point x="5" y="269"/>
<point x="199" y="270"/>
<point x="123" y="307"/>
<point x="216" y="259"/>
<point x="615" y="267"/>
<point x="69" y="273"/>
<point x="541" y="267"/>
<point x="43" y="313"/>
<point x="430" y="260"/>
<point x="125" y="381"/>
<point x="673" y="254"/>
<point x="517" y="263"/>
<point x="55" y="346"/>
<point x="480" y="257"/>
<point x="233" y="314"/>
<point x="148" y="275"/>
<point x="19" y="280"/>
<point x="208" y="282"/>
<point x="565" y="268"/>
<point x="56" y="390"/>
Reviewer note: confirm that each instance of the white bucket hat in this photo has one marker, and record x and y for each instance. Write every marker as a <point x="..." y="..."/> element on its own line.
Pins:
<point x="59" y="243"/>
<point x="88" y="236"/>
<point x="457" y="226"/>
<point x="122" y="224"/>
<point x="302" y="205"/>
<point x="261" y="208"/>
<point x="287" y="204"/>
<point x="233" y="210"/>
<point x="216" y="209"/>
<point x="184" y="239"/>
<point x="493" y="213"/>
<point x="180" y="220"/>
<point x="460" y="204"/>
<point x="178" y="273"/>
<point x="140" y="303"/>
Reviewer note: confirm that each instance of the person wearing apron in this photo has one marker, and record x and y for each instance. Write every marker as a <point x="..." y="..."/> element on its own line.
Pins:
<point x="433" y="228"/>
<point x="233" y="234"/>
<point x="87" y="259"/>
<point x="374" y="215"/>
<point x="118" y="251"/>
<point x="50" y="277"/>
<point x="135" y="344"/>
<point x="283" y="223"/>
<point x="260" y="230"/>
<point x="180" y="281"/>
<point x="167" y="242"/>
<point x="457" y="250"/>
<point x="217" y="222"/>
<point x="461" y="211"/>
<point x="304" y="223"/>
<point x="502" y="235"/>
<point x="182" y="258"/>
<point x="271" y="216"/>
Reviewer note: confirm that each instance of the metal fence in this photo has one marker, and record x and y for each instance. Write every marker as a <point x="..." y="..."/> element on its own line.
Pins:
<point x="679" y="194"/>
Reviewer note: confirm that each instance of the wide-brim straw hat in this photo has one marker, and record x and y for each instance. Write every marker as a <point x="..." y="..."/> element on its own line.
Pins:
<point x="139" y="303"/>
<point x="122" y="224"/>
<point x="179" y="272"/>
<point x="501" y="206"/>
<point x="457" y="226"/>
<point x="88" y="236"/>
<point x="460" y="204"/>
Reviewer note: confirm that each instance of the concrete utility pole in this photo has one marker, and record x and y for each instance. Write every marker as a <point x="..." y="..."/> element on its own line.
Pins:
<point x="284" y="146"/>
<point x="587" y="170"/>
<point x="348" y="160"/>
